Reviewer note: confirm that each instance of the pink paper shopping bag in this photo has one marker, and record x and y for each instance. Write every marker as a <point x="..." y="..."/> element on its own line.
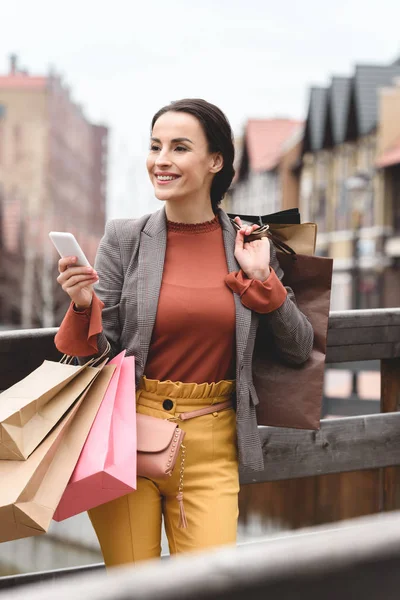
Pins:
<point x="106" y="468"/>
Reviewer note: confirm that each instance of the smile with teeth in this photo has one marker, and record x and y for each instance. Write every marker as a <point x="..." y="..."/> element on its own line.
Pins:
<point x="166" y="177"/>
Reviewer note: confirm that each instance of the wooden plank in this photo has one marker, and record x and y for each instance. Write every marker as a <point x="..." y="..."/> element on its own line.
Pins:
<point x="14" y="336"/>
<point x="377" y="317"/>
<point x="346" y="495"/>
<point x="357" y="366"/>
<point x="390" y="402"/>
<point x="359" y="335"/>
<point x="288" y="504"/>
<point x="348" y="444"/>
<point x="337" y="354"/>
<point x="364" y="335"/>
<point x="390" y="385"/>
<point x="356" y="560"/>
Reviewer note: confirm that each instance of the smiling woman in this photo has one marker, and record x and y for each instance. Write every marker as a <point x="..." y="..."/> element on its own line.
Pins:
<point x="200" y="157"/>
<point x="183" y="292"/>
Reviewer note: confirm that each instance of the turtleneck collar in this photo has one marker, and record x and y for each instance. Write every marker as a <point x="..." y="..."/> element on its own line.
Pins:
<point x="194" y="227"/>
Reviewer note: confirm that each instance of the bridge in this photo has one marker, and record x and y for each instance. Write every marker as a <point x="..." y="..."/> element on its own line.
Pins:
<point x="357" y="558"/>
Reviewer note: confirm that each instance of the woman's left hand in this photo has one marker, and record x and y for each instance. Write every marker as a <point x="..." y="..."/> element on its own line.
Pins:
<point x="253" y="257"/>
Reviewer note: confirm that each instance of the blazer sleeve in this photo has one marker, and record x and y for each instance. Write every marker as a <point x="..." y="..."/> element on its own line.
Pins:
<point x="292" y="332"/>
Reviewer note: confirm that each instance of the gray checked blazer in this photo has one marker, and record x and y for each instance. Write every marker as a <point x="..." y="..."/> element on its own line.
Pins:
<point x="130" y="263"/>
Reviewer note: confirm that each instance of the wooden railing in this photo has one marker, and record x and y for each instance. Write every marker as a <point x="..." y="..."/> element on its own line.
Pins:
<point x="348" y="562"/>
<point x="341" y="445"/>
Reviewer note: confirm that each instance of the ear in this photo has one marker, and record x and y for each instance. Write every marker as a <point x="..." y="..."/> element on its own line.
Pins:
<point x="217" y="162"/>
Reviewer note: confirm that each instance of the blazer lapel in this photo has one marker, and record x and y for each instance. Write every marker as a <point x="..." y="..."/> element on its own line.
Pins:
<point x="243" y="314"/>
<point x="153" y="242"/>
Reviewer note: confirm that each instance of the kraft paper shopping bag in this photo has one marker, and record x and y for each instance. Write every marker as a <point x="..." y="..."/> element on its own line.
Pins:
<point x="107" y="466"/>
<point x="30" y="490"/>
<point x="33" y="406"/>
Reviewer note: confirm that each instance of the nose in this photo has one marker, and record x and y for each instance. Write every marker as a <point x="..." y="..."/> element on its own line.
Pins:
<point x="163" y="158"/>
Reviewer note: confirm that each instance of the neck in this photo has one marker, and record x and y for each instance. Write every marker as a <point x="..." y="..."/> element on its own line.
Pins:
<point x="180" y="212"/>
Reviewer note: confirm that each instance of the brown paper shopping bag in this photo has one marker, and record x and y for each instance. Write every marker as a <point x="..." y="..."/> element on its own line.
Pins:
<point x="284" y="226"/>
<point x="30" y="490"/>
<point x="291" y="396"/>
<point x="33" y="406"/>
<point x="301" y="237"/>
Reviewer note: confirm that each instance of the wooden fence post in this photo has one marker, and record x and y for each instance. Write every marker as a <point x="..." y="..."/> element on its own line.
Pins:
<point x="390" y="402"/>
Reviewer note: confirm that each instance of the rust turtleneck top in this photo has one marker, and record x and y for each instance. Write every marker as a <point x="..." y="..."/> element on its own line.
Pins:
<point x="194" y="333"/>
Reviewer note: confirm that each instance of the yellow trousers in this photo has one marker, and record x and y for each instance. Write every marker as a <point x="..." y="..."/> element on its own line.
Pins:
<point x="129" y="528"/>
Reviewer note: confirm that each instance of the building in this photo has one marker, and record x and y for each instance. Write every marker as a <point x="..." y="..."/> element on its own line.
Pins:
<point x="344" y="188"/>
<point x="53" y="168"/>
<point x="388" y="165"/>
<point x="267" y="176"/>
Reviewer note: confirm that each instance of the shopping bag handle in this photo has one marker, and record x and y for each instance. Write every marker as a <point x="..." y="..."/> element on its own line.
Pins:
<point x="100" y="361"/>
<point x="265" y="231"/>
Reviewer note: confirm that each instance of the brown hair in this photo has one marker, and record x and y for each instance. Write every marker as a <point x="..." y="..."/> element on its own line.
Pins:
<point x="219" y="136"/>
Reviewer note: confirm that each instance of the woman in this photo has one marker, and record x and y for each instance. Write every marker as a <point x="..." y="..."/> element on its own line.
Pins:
<point x="185" y="294"/>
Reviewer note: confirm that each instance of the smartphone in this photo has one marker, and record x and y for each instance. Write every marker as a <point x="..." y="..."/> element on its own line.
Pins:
<point x="67" y="245"/>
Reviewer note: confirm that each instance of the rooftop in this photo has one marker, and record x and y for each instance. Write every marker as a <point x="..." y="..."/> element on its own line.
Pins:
<point x="18" y="78"/>
<point x="264" y="139"/>
<point x="22" y="81"/>
<point x="367" y="80"/>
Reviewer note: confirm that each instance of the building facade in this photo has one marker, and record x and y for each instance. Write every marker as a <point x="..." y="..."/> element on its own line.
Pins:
<point x="266" y="175"/>
<point x="388" y="165"/>
<point x="53" y="168"/>
<point x="343" y="188"/>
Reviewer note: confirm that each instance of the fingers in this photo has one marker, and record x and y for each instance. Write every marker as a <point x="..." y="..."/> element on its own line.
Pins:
<point x="245" y="229"/>
<point x="251" y="229"/>
<point x="240" y="238"/>
<point x="66" y="262"/>
<point x="239" y="241"/>
<point x="76" y="274"/>
<point x="76" y="284"/>
<point x="77" y="280"/>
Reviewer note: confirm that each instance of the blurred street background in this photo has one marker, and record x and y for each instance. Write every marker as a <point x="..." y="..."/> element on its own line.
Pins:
<point x="312" y="91"/>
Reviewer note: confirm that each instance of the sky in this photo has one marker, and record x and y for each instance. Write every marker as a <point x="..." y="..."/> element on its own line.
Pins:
<point x="123" y="60"/>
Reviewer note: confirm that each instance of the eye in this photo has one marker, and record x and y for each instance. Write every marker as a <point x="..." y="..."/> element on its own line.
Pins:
<point x="154" y="148"/>
<point x="181" y="149"/>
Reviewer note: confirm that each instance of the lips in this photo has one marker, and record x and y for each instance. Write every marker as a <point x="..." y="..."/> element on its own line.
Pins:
<point x="164" y="178"/>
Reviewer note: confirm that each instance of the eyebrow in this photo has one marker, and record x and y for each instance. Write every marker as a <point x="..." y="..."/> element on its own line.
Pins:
<point x="175" y="140"/>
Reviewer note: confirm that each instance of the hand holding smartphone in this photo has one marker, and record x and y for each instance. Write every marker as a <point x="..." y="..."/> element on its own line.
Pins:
<point x="66" y="245"/>
<point x="77" y="279"/>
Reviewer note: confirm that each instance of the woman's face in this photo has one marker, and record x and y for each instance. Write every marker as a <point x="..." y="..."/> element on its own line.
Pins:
<point x="179" y="163"/>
